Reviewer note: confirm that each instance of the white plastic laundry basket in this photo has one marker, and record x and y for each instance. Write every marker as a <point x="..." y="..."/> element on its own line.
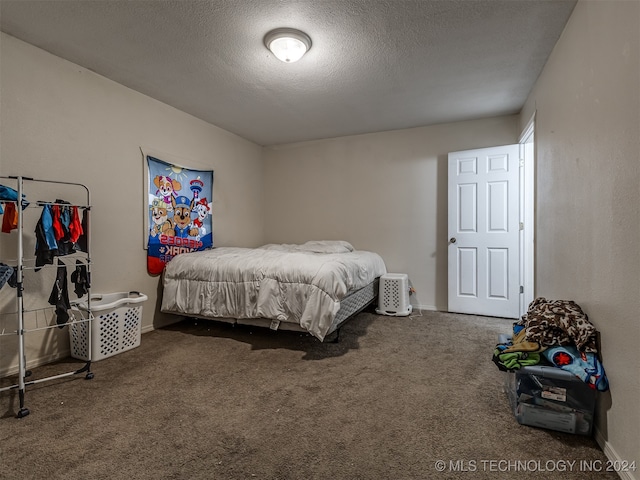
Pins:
<point x="115" y="328"/>
<point x="393" y="298"/>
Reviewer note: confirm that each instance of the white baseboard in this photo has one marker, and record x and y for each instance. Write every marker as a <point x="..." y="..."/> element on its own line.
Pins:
<point x="431" y="308"/>
<point x="148" y="328"/>
<point x="614" y="458"/>
<point x="46" y="359"/>
<point x="34" y="362"/>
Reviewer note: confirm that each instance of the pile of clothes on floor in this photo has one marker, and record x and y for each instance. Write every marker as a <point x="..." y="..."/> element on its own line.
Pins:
<point x="555" y="333"/>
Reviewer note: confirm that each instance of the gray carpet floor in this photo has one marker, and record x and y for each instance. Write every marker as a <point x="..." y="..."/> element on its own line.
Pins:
<point x="396" y="398"/>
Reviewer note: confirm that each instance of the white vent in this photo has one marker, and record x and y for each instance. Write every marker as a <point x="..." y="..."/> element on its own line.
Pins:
<point x="393" y="298"/>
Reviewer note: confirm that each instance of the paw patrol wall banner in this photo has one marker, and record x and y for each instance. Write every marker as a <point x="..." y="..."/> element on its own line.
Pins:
<point x="179" y="207"/>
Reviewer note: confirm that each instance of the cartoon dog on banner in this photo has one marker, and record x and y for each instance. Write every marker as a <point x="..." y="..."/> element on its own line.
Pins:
<point x="201" y="210"/>
<point x="167" y="187"/>
<point x="182" y="225"/>
<point x="160" y="218"/>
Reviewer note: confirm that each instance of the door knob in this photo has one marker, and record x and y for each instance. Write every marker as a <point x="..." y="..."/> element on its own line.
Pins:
<point x="452" y="240"/>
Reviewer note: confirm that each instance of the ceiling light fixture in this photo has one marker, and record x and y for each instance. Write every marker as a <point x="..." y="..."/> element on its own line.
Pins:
<point x="287" y="44"/>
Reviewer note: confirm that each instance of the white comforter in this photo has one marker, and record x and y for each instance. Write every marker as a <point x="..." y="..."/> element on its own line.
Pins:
<point x="289" y="283"/>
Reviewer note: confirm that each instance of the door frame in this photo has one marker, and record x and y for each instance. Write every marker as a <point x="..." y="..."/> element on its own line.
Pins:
<point x="469" y="289"/>
<point x="528" y="150"/>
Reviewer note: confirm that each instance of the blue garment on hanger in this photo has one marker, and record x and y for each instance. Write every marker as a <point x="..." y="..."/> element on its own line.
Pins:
<point x="6" y="272"/>
<point x="46" y="245"/>
<point x="65" y="213"/>
<point x="47" y="225"/>
<point x="8" y="193"/>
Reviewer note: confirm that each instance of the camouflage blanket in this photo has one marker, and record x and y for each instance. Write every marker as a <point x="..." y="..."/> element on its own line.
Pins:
<point x="558" y="322"/>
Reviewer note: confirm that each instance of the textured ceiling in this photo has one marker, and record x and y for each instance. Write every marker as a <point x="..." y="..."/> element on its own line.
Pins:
<point x="375" y="65"/>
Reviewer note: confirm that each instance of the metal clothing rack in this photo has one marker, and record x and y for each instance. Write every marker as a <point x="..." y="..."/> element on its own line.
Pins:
<point x="20" y="267"/>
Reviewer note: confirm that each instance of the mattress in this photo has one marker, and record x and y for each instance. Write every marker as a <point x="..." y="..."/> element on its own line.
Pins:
<point x="288" y="284"/>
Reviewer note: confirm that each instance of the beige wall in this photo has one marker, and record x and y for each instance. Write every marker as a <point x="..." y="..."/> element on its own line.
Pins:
<point x="385" y="192"/>
<point x="60" y="121"/>
<point x="588" y="195"/>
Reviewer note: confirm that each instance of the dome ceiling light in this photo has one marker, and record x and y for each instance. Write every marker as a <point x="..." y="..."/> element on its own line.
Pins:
<point x="287" y="44"/>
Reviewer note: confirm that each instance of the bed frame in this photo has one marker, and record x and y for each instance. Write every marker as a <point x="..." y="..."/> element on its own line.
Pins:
<point x="350" y="306"/>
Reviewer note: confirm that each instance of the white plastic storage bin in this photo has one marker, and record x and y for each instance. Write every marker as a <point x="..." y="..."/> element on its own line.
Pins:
<point x="393" y="298"/>
<point x="116" y="326"/>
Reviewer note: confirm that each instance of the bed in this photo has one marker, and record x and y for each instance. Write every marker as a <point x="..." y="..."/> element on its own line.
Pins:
<point x="312" y="287"/>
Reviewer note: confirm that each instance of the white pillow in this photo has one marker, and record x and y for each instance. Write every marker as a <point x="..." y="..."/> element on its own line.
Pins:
<point x="326" y="246"/>
<point x="313" y="246"/>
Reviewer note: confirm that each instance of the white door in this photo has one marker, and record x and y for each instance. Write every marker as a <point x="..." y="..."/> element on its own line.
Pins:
<point x="484" y="229"/>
